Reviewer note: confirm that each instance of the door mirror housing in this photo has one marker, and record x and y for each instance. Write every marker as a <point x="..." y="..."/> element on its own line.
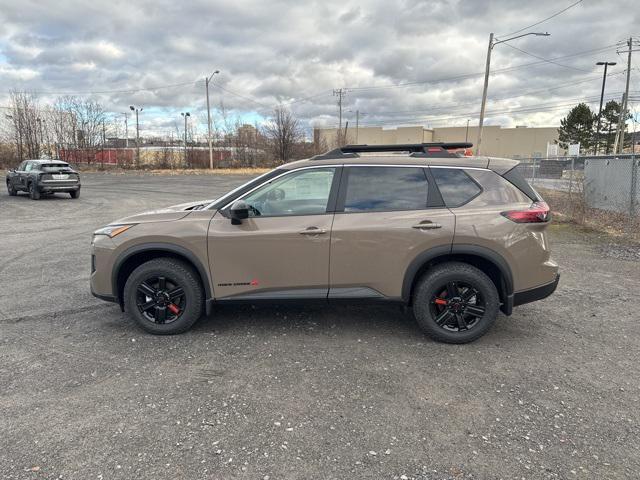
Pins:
<point x="238" y="212"/>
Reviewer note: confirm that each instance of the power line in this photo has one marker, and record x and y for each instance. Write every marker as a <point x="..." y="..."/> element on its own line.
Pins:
<point x="240" y="96"/>
<point x="528" y="109"/>
<point x="547" y="60"/>
<point x="511" y="97"/>
<point x="477" y="74"/>
<point x="98" y="92"/>
<point x="543" y="20"/>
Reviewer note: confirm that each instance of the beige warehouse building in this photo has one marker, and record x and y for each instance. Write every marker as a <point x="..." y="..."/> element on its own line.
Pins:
<point x="518" y="142"/>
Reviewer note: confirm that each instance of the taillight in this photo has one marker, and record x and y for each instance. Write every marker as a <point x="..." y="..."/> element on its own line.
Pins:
<point x="538" y="212"/>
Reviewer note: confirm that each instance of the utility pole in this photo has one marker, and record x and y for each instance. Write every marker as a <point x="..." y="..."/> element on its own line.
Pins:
<point x="126" y="129"/>
<point x="358" y="115"/>
<point x="340" y="92"/>
<point x="185" y="115"/>
<point x="486" y="78"/>
<point x="466" y="134"/>
<point x="137" y="110"/>
<point x="618" y="144"/>
<point x="604" y="79"/>
<point x="206" y="85"/>
<point x="357" y="124"/>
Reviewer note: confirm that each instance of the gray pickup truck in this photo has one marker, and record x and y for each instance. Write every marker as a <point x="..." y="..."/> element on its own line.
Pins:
<point x="39" y="177"/>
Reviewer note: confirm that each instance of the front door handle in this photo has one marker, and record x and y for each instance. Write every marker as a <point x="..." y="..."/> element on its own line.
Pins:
<point x="426" y="225"/>
<point x="313" y="231"/>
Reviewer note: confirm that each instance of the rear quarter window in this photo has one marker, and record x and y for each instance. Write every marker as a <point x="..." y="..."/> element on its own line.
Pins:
<point x="516" y="178"/>
<point x="456" y="186"/>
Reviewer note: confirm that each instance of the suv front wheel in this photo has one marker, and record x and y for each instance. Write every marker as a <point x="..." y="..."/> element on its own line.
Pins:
<point x="455" y="303"/>
<point x="164" y="296"/>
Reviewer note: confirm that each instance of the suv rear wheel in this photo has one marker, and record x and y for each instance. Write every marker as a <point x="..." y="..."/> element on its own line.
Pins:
<point x="455" y="303"/>
<point x="164" y="296"/>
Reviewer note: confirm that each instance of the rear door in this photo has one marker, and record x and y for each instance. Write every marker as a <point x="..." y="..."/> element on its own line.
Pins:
<point x="385" y="217"/>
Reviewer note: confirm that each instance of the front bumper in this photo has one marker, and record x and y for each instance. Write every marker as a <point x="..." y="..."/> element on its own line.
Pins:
<point x="537" y="293"/>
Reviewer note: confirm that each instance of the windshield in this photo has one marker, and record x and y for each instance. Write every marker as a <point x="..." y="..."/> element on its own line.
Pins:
<point x="244" y="188"/>
<point x="54" y="166"/>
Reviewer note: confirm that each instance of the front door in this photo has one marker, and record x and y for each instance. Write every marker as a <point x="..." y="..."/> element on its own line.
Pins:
<point x="386" y="216"/>
<point x="282" y="250"/>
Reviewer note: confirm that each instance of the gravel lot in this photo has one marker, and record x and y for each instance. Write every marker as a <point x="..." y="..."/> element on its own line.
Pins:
<point x="294" y="392"/>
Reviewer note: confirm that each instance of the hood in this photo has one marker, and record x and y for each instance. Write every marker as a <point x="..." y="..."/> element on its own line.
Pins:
<point x="167" y="214"/>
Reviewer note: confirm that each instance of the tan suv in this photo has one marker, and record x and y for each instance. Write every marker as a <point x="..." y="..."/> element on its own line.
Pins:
<point x="454" y="237"/>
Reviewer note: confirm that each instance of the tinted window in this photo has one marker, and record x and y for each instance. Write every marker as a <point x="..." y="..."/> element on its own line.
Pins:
<point x="516" y="178"/>
<point x="305" y="192"/>
<point x="385" y="188"/>
<point x="456" y="187"/>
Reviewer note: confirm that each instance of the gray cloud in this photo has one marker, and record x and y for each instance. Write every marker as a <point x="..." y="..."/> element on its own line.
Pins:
<point x="283" y="51"/>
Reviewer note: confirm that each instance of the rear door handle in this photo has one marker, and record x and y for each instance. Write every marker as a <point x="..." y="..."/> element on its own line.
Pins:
<point x="313" y="231"/>
<point x="426" y="225"/>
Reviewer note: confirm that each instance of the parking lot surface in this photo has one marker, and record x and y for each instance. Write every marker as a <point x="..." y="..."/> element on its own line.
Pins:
<point x="303" y="392"/>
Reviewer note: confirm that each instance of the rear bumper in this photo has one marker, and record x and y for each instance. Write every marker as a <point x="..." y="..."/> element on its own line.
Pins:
<point x="534" y="294"/>
<point x="52" y="187"/>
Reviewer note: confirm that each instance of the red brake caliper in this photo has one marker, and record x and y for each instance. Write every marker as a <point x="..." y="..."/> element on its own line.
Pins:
<point x="174" y="308"/>
<point x="440" y="301"/>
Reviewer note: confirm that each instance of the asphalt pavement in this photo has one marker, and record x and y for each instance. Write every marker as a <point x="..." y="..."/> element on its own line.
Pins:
<point x="257" y="392"/>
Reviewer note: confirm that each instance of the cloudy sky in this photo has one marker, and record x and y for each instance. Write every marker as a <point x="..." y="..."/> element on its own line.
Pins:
<point x="401" y="62"/>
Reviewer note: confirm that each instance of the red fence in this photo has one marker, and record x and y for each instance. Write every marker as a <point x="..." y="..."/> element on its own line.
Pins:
<point x="108" y="156"/>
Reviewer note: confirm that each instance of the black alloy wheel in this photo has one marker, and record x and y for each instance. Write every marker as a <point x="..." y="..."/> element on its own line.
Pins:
<point x="458" y="306"/>
<point x="455" y="302"/>
<point x="164" y="296"/>
<point x="160" y="299"/>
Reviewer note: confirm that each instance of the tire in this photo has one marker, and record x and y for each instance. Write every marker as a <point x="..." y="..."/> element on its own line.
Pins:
<point x="12" y="191"/>
<point x="452" y="296"/>
<point x="34" y="193"/>
<point x="75" y="193"/>
<point x="176" y="274"/>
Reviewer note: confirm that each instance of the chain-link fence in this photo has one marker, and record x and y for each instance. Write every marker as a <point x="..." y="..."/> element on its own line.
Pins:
<point x="599" y="191"/>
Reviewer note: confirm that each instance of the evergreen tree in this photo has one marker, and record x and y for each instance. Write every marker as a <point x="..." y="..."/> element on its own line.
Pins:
<point x="609" y="125"/>
<point x="577" y="127"/>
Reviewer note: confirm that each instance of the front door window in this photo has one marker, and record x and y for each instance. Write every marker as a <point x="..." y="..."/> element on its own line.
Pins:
<point x="305" y="192"/>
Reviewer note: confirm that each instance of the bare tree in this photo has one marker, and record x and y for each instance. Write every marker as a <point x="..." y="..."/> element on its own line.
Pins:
<point x="283" y="132"/>
<point x="26" y="123"/>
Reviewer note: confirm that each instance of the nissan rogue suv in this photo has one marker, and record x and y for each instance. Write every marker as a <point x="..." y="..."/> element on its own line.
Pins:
<point x="454" y="237"/>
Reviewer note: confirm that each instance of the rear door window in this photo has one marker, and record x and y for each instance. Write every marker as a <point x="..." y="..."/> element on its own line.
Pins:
<point x="375" y="189"/>
<point x="456" y="187"/>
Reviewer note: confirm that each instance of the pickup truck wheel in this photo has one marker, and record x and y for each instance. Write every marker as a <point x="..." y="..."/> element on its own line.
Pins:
<point x="12" y="191"/>
<point x="455" y="303"/>
<point x="75" y="193"/>
<point x="164" y="296"/>
<point x="34" y="193"/>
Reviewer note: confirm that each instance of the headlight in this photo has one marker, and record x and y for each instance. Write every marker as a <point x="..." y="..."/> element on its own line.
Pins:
<point x="112" y="230"/>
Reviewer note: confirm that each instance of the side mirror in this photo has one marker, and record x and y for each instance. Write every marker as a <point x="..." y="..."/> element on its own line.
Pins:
<point x="238" y="212"/>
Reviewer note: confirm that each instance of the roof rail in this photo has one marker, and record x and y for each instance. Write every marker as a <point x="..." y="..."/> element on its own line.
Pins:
<point x="440" y="149"/>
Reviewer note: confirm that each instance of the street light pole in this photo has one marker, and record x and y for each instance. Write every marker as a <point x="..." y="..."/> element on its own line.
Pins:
<point x="604" y="79"/>
<point x="137" y="110"/>
<point x="486" y="78"/>
<point x="185" y="115"/>
<point x="466" y="133"/>
<point x="206" y="84"/>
